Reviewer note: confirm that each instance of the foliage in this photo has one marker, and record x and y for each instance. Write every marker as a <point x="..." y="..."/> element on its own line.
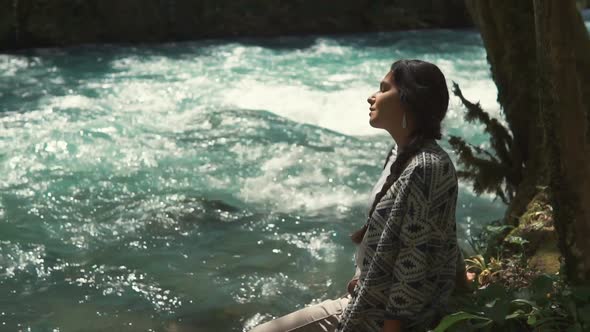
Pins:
<point x="489" y="173"/>
<point x="547" y="304"/>
<point x="508" y="294"/>
<point x="489" y="242"/>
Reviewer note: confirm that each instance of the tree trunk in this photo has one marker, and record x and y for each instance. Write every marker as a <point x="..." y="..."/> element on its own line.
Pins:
<point x="563" y="46"/>
<point x="507" y="30"/>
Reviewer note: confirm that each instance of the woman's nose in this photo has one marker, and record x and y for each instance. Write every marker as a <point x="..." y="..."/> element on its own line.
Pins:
<point x="371" y="99"/>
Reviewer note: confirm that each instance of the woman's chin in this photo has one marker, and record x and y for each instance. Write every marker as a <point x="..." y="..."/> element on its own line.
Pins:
<point x="373" y="123"/>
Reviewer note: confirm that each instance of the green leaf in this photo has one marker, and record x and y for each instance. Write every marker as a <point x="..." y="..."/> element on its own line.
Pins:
<point x="540" y="286"/>
<point x="479" y="326"/>
<point x="498" y="310"/>
<point x="498" y="229"/>
<point x="527" y="302"/>
<point x="584" y="314"/>
<point x="517" y="314"/>
<point x="492" y="292"/>
<point x="582" y="293"/>
<point x="531" y="320"/>
<point x="516" y="240"/>
<point x="452" y="319"/>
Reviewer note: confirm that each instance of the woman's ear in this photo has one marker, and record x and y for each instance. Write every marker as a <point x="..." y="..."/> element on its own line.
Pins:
<point x="403" y="97"/>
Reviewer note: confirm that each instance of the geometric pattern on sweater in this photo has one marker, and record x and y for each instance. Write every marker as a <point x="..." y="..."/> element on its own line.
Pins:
<point x="359" y="254"/>
<point x="411" y="251"/>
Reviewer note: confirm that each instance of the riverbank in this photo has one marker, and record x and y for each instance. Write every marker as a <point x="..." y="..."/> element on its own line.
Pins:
<point x="67" y="22"/>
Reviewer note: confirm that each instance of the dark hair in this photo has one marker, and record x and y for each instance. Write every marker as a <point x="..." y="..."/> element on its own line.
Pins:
<point x="423" y="90"/>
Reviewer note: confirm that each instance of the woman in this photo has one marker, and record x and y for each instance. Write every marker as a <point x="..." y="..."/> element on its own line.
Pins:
<point x="407" y="257"/>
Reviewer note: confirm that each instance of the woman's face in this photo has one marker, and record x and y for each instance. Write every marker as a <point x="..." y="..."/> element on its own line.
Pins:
<point x="385" y="107"/>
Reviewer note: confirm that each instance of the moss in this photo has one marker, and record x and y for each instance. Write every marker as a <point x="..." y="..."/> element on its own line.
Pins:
<point x="547" y="258"/>
<point x="537" y="229"/>
<point x="536" y="223"/>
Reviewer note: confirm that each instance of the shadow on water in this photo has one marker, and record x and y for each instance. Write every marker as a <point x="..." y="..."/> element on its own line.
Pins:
<point x="386" y="39"/>
<point x="276" y="129"/>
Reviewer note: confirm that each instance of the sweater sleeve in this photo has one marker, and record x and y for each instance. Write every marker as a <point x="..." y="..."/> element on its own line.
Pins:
<point x="461" y="269"/>
<point x="411" y="238"/>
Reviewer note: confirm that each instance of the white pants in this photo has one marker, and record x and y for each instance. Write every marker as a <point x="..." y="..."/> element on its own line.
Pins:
<point x="321" y="317"/>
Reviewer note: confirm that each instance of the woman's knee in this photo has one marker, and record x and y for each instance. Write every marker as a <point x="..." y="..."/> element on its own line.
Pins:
<point x="321" y="317"/>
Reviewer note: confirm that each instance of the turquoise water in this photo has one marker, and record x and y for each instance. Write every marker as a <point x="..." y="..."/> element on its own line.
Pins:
<point x="200" y="186"/>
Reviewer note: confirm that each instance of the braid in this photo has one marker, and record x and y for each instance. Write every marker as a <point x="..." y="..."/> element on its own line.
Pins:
<point x="396" y="170"/>
<point x="388" y="156"/>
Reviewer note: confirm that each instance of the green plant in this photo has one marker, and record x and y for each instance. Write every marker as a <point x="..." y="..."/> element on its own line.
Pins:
<point x="489" y="241"/>
<point x="494" y="173"/>
<point x="486" y="270"/>
<point x="548" y="304"/>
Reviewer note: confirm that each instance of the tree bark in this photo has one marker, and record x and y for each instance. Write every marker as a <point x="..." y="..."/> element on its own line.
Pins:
<point x="508" y="32"/>
<point x="563" y="46"/>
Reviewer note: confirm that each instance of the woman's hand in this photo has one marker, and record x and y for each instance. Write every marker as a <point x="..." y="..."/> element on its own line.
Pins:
<point x="464" y="280"/>
<point x="351" y="285"/>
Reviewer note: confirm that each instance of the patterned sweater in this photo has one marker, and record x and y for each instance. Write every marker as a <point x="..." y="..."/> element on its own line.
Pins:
<point x="411" y="252"/>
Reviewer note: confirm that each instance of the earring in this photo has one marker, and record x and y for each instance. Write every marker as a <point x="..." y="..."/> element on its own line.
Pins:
<point x="404" y="123"/>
